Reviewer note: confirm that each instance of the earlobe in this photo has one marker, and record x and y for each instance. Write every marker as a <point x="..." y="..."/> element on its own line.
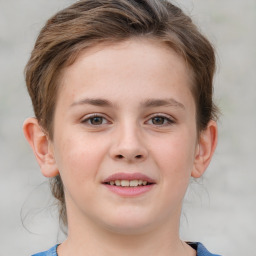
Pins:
<point x="207" y="143"/>
<point x="41" y="146"/>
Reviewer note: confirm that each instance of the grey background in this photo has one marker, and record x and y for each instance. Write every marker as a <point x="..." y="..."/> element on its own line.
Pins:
<point x="219" y="210"/>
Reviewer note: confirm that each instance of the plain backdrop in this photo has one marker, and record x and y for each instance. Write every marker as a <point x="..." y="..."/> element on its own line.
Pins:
<point x="219" y="210"/>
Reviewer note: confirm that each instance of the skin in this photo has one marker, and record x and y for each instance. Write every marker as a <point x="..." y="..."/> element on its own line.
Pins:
<point x="145" y="122"/>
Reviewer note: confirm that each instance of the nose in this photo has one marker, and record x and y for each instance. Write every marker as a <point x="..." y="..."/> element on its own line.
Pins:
<point x="128" y="145"/>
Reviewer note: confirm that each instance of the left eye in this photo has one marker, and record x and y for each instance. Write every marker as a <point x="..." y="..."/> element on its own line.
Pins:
<point x="160" y="120"/>
<point x="95" y="120"/>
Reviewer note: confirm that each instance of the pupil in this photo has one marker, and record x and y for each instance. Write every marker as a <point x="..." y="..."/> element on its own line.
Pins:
<point x="96" y="120"/>
<point x="158" y="120"/>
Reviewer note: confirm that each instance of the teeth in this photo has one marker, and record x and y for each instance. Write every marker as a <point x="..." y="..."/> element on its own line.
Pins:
<point x="118" y="182"/>
<point x="134" y="183"/>
<point x="127" y="183"/>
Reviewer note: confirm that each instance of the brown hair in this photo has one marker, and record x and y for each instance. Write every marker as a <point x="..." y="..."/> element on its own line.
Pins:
<point x="90" y="22"/>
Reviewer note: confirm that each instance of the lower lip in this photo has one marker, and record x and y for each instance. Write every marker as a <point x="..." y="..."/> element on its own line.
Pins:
<point x="129" y="191"/>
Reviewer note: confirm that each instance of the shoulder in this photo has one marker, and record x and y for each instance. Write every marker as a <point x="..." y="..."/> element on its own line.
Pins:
<point x="50" y="252"/>
<point x="201" y="250"/>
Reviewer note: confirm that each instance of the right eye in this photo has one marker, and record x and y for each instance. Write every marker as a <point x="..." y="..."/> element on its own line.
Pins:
<point x="95" y="120"/>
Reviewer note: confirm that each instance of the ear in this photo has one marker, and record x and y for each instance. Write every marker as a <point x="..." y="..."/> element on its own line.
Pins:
<point x="207" y="143"/>
<point x="42" y="147"/>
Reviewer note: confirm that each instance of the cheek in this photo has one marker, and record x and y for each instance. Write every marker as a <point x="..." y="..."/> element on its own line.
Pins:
<point x="175" y="155"/>
<point x="78" y="158"/>
<point x="174" y="159"/>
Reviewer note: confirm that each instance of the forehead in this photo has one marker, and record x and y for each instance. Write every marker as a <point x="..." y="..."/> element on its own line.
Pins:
<point x="144" y="52"/>
<point x="119" y="66"/>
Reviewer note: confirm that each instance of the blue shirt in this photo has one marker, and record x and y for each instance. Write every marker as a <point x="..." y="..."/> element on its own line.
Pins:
<point x="201" y="251"/>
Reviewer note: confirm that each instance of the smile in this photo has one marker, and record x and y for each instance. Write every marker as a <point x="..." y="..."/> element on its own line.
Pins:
<point x="128" y="183"/>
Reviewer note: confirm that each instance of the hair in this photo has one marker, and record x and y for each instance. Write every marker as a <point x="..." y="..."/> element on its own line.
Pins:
<point x="87" y="23"/>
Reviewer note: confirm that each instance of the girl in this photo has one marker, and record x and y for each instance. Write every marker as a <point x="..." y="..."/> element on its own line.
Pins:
<point x="122" y="94"/>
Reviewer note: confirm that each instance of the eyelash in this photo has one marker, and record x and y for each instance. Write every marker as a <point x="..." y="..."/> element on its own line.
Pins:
<point x="166" y="120"/>
<point x="88" y="120"/>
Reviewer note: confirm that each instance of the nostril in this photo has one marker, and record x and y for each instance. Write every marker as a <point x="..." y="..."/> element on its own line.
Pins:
<point x="121" y="156"/>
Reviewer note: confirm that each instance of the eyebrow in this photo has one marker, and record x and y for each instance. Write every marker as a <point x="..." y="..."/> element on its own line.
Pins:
<point x="146" y="104"/>
<point x="162" y="102"/>
<point x="94" y="102"/>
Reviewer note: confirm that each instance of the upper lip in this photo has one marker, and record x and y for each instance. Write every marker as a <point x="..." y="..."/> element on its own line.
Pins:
<point x="128" y="176"/>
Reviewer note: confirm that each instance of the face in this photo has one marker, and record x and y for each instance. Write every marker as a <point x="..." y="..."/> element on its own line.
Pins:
<point x="125" y="135"/>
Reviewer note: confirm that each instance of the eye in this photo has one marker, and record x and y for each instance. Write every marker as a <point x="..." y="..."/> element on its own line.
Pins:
<point x="159" y="120"/>
<point x="95" y="120"/>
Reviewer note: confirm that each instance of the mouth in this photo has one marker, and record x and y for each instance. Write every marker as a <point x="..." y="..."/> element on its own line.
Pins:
<point x="129" y="184"/>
